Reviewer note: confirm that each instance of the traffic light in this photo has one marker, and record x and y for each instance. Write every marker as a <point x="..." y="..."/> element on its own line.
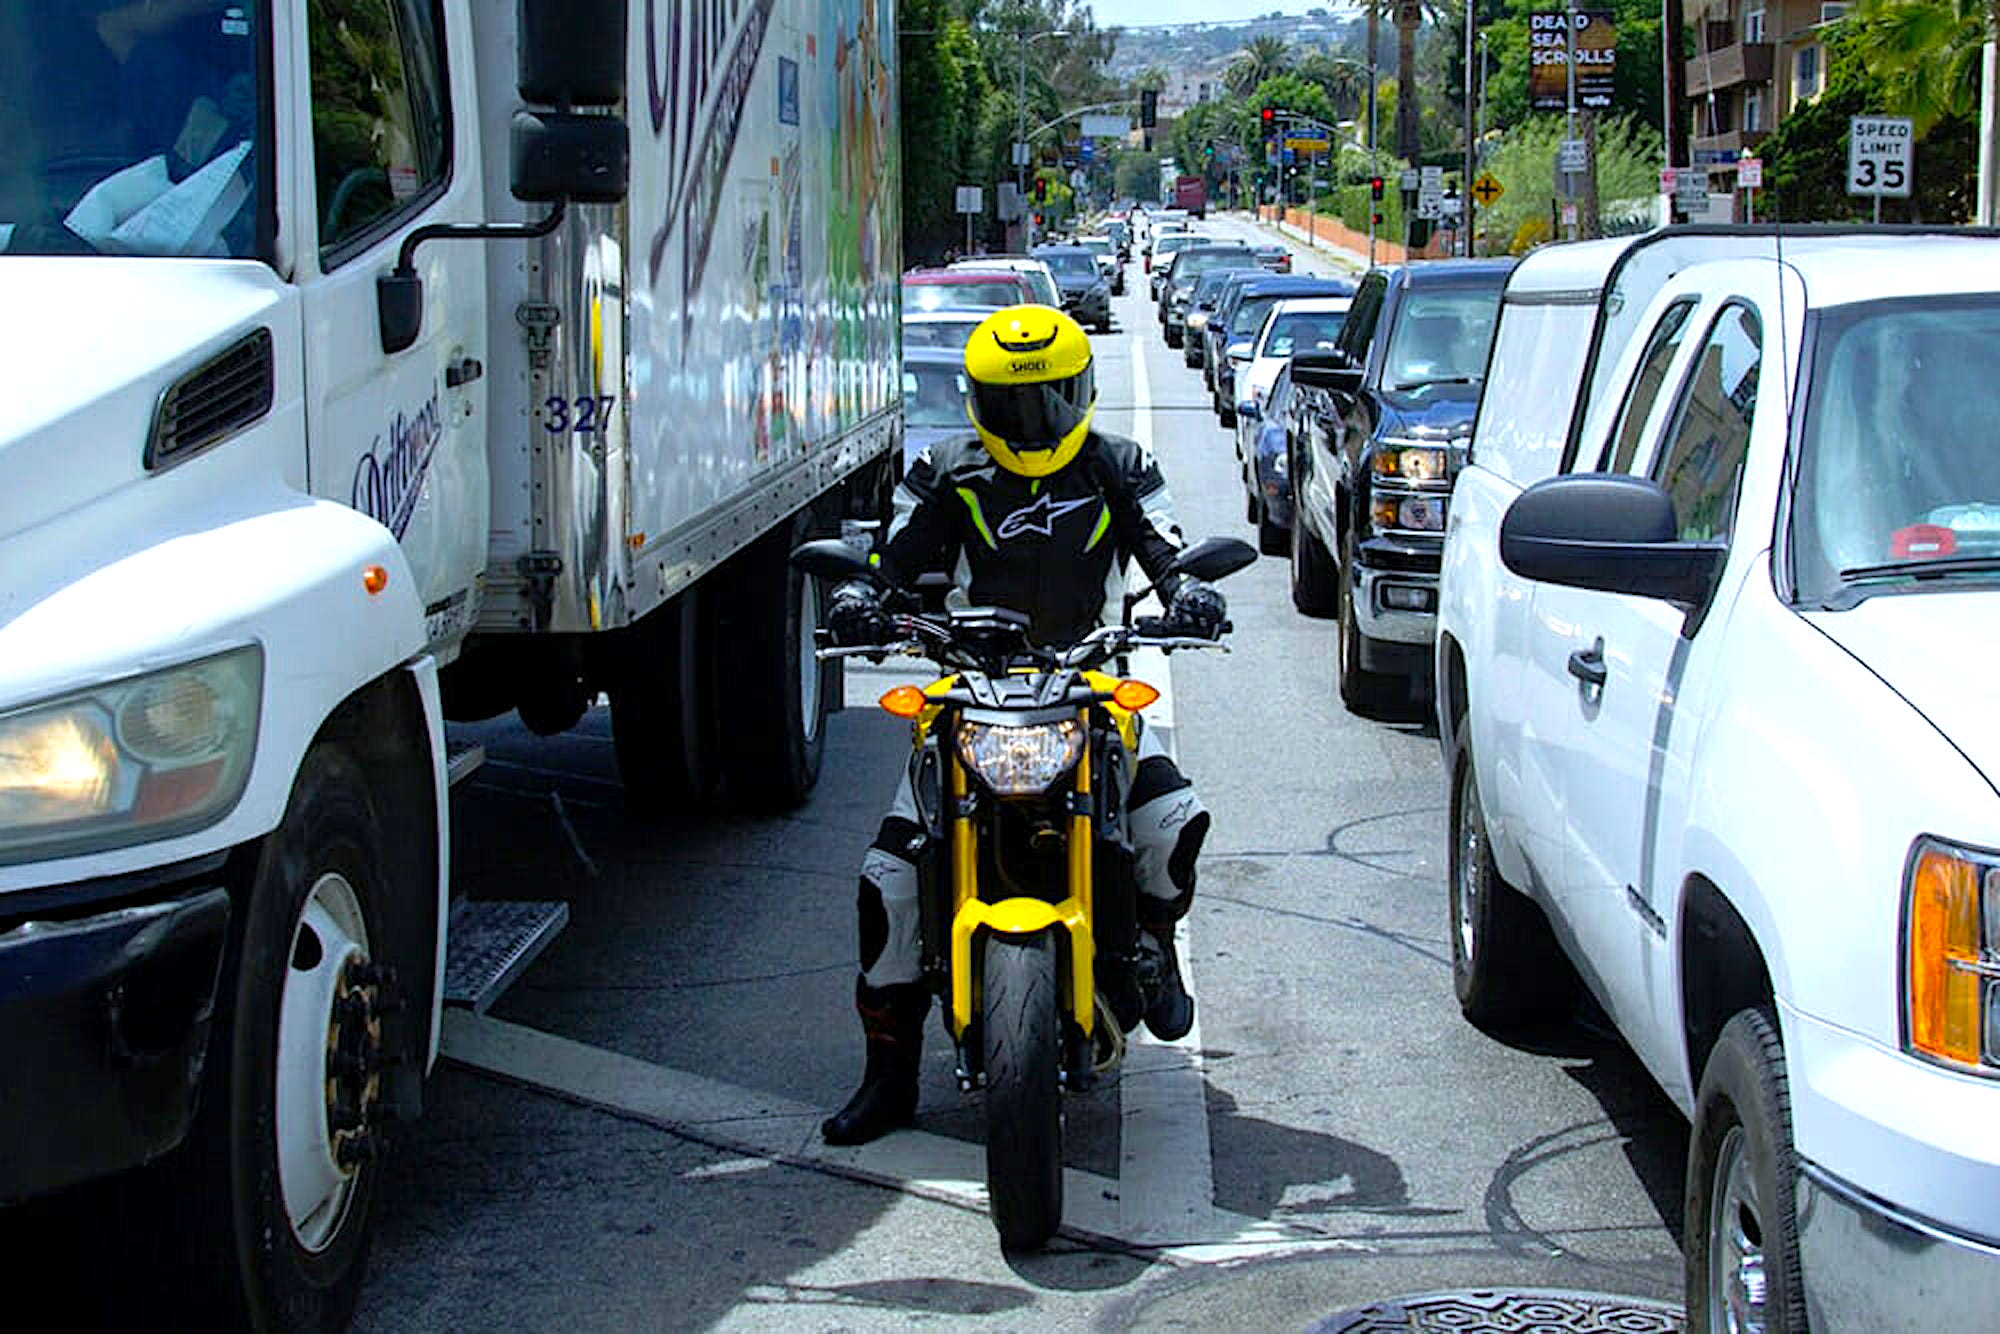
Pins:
<point x="1041" y="190"/>
<point x="1375" y="189"/>
<point x="1378" y="217"/>
<point x="1208" y="150"/>
<point x="1266" y="116"/>
<point x="1149" y="107"/>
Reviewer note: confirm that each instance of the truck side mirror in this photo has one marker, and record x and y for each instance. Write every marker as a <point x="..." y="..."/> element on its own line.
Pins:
<point x="557" y="155"/>
<point x="571" y="53"/>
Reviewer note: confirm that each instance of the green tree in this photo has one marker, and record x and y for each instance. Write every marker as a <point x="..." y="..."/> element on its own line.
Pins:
<point x="1925" y="53"/>
<point x="1805" y="159"/>
<point x="933" y="104"/>
<point x="1628" y="165"/>
<point x="1263" y="59"/>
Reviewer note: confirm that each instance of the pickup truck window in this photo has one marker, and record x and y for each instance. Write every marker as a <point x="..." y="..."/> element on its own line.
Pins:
<point x="1441" y="337"/>
<point x="1638" y="406"/>
<point x="1523" y="426"/>
<point x="1899" y="483"/>
<point x="1704" y="457"/>
<point x="381" y="132"/>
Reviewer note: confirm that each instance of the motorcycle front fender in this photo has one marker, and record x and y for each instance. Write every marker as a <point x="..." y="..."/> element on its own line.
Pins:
<point x="1024" y="917"/>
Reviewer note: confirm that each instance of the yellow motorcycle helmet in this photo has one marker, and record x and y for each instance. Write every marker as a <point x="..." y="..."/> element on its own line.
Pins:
<point x="1031" y="388"/>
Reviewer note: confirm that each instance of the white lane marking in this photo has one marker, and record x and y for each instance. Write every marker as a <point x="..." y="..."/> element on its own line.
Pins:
<point x="777" y="1129"/>
<point x="1166" y="1166"/>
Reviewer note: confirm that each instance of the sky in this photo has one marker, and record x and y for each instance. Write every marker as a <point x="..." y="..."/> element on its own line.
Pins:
<point x="1151" y="13"/>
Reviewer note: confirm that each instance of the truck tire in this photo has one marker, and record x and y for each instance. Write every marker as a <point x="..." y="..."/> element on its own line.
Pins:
<point x="1021" y="1027"/>
<point x="662" y="708"/>
<point x="1506" y="966"/>
<point x="268" y="1209"/>
<point x="1314" y="592"/>
<point x="1742" y="1265"/>
<point x="765" y="627"/>
<point x="1366" y="694"/>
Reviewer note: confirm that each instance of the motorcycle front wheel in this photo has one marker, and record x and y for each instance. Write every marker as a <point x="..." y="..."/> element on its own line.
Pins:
<point x="1022" y="1030"/>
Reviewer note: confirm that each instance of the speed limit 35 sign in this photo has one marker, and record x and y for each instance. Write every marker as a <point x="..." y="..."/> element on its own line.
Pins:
<point x="1878" y="156"/>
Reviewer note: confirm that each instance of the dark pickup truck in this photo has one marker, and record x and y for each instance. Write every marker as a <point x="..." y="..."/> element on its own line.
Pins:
<point x="1386" y="416"/>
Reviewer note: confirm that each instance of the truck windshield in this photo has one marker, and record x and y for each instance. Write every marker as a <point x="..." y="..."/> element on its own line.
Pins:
<point x="1442" y="336"/>
<point x="128" y="128"/>
<point x="1899" y="476"/>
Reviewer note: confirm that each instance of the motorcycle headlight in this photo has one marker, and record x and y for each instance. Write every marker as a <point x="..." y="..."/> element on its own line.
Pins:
<point x="1951" y="962"/>
<point x="146" y="757"/>
<point x="1020" y="761"/>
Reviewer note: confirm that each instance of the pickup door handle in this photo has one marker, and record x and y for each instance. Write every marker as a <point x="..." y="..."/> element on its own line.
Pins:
<point x="462" y="372"/>
<point x="1587" y="664"/>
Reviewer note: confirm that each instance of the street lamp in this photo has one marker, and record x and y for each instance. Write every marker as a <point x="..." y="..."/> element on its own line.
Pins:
<point x="1022" y="37"/>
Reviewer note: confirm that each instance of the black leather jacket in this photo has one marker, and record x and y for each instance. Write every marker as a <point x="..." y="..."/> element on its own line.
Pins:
<point x="1054" y="548"/>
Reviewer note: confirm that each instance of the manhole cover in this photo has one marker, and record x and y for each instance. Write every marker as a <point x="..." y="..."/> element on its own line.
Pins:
<point x="1514" y="1312"/>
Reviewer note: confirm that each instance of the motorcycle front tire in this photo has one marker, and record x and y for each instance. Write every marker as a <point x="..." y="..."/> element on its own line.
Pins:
<point x="1022" y="1028"/>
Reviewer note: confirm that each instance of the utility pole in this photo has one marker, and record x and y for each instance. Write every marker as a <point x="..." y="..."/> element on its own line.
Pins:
<point x="1673" y="84"/>
<point x="1569" y="83"/>
<point x="1465" y="180"/>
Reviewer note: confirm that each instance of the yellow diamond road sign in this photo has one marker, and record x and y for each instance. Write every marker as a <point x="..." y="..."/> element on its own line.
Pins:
<point x="1486" y="189"/>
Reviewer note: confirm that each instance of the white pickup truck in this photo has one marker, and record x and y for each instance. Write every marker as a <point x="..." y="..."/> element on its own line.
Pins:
<point x="1715" y="644"/>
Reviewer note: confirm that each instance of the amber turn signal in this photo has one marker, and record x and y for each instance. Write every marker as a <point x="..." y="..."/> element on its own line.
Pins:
<point x="1133" y="696"/>
<point x="903" y="702"/>
<point x="374" y="578"/>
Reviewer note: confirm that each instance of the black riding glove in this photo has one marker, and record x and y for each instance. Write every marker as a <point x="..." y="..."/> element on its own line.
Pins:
<point x="855" y="617"/>
<point x="1197" y="610"/>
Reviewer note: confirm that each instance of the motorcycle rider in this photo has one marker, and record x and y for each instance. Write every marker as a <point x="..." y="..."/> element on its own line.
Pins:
<point x="1037" y="512"/>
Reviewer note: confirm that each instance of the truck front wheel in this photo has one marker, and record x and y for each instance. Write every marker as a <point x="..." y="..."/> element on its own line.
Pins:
<point x="1742" y="1230"/>
<point x="766" y="646"/>
<point x="277" y="1182"/>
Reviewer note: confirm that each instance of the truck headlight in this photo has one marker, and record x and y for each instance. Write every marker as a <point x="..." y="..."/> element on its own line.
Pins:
<point x="1422" y="514"/>
<point x="1951" y="955"/>
<point x="1020" y="761"/>
<point x="1412" y="463"/>
<point x="146" y="757"/>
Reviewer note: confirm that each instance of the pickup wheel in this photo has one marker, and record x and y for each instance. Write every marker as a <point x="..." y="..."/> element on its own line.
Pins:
<point x="1313" y="590"/>
<point x="1366" y="694"/>
<point x="1742" y="1228"/>
<point x="1506" y="967"/>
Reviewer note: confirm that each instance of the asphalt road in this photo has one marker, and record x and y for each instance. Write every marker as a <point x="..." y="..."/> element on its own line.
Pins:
<point x="629" y="1141"/>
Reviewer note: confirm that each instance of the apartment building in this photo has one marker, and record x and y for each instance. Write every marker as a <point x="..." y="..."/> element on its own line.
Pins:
<point x="1754" y="60"/>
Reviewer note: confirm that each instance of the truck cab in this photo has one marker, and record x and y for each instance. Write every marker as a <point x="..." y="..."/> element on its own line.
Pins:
<point x="1392" y="407"/>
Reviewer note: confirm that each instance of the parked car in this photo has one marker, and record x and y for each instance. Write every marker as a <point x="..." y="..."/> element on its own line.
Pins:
<point x="1294" y="324"/>
<point x="1160" y="254"/>
<point x="1189" y="263"/>
<point x="1736" y="759"/>
<point x="1370" y="484"/>
<point x="1239" y="317"/>
<point x="1267" y="478"/>
<point x="962" y="289"/>
<point x="1274" y="257"/>
<point x="1041" y="283"/>
<point x="1109" y="262"/>
<point x="1202" y="302"/>
<point x="1086" y="294"/>
<point x="933" y="398"/>
<point x="948" y="328"/>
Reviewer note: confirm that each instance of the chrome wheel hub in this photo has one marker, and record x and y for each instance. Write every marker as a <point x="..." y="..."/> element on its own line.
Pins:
<point x="1736" y="1281"/>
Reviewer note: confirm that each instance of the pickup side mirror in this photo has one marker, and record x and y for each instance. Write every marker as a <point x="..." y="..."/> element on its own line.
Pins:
<point x="1326" y="370"/>
<point x="1607" y="532"/>
<point x="1239" y="350"/>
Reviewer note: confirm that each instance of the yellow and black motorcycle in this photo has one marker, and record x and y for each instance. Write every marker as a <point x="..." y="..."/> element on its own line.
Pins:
<point x="1022" y="758"/>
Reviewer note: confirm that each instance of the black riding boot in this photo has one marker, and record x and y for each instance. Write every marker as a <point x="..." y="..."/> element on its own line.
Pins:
<point x="1171" y="1014"/>
<point x="892" y="1019"/>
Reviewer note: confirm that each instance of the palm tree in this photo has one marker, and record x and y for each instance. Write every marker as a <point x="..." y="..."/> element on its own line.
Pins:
<point x="1409" y="17"/>
<point x="1263" y="58"/>
<point x="1928" y="51"/>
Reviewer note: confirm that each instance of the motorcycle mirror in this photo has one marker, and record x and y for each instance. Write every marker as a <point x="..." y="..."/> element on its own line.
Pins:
<point x="1215" y="558"/>
<point x="831" y="558"/>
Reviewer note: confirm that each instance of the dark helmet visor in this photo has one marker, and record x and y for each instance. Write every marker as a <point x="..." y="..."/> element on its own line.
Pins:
<point x="1033" y="416"/>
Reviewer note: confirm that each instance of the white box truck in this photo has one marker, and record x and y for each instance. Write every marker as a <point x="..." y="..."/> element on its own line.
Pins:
<point x="378" y="362"/>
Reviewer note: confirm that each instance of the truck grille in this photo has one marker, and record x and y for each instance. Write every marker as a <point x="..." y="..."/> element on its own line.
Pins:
<point x="213" y="401"/>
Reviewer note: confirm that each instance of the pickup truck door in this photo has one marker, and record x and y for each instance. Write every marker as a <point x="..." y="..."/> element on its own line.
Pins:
<point x="399" y="436"/>
<point x="1620" y="683"/>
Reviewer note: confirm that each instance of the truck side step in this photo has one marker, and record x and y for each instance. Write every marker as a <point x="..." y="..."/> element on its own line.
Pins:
<point x="492" y="944"/>
<point x="462" y="759"/>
